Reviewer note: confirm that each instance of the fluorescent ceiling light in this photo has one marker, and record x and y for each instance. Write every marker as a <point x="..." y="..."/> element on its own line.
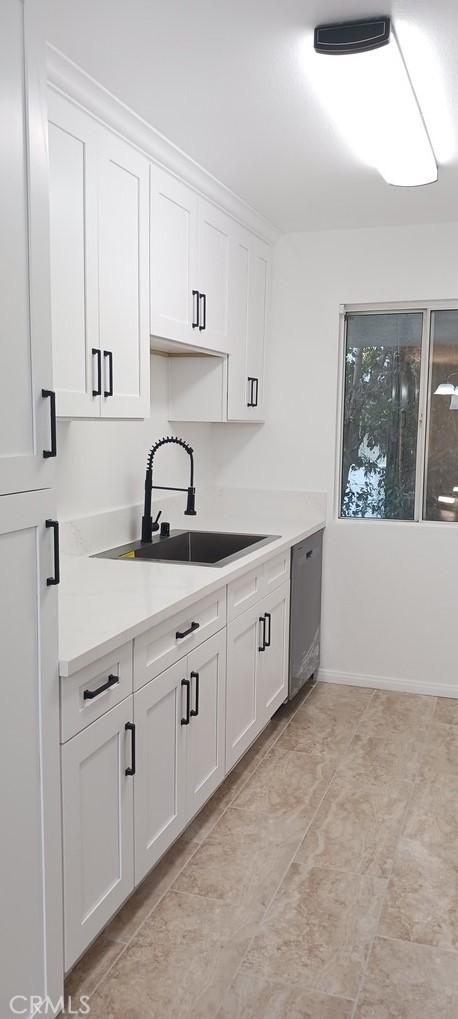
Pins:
<point x="446" y="498"/>
<point x="360" y="76"/>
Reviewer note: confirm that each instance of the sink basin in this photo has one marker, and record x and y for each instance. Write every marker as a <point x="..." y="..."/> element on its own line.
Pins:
<point x="203" y="548"/>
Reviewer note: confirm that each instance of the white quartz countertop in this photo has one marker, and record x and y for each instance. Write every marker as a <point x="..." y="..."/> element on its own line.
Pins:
<point x="105" y="602"/>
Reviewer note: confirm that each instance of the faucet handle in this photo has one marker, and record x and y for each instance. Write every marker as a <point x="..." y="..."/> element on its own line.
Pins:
<point x="155" y="524"/>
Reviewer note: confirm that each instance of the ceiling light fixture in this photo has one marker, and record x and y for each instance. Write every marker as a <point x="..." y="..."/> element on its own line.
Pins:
<point x="369" y="94"/>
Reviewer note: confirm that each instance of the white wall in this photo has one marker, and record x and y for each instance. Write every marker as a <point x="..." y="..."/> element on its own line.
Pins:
<point x="101" y="464"/>
<point x="389" y="606"/>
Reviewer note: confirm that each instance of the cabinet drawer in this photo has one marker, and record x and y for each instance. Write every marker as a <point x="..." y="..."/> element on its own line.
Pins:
<point x="160" y="647"/>
<point x="276" y="570"/>
<point x="244" y="592"/>
<point x="94" y="690"/>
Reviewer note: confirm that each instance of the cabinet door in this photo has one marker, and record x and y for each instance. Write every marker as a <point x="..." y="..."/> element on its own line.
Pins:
<point x="258" y="315"/>
<point x="214" y="240"/>
<point x="25" y="332"/>
<point x="205" y="734"/>
<point x="30" y="851"/>
<point x="242" y="725"/>
<point x="272" y="685"/>
<point x="97" y="798"/>
<point x="123" y="278"/>
<point x="159" y="782"/>
<point x="249" y="309"/>
<point x="73" y="189"/>
<point x="173" y="258"/>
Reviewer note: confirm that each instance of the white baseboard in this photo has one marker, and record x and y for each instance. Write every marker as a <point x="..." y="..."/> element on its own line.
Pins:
<point x="388" y="683"/>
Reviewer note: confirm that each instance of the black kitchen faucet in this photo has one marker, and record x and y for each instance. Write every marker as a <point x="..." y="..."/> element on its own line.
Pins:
<point x="148" y="525"/>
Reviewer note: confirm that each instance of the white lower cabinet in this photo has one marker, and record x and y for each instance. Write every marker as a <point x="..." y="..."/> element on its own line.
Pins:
<point x="257" y="670"/>
<point x="159" y="792"/>
<point x="205" y="764"/>
<point x="97" y="794"/>
<point x="243" y="636"/>
<point x="272" y="675"/>
<point x="133" y="778"/>
<point x="179" y="718"/>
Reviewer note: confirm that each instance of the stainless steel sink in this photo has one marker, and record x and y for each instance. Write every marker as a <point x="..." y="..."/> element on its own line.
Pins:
<point x="202" y="548"/>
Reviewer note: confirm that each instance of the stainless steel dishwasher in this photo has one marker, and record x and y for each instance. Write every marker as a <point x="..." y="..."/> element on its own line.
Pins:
<point x="305" y="611"/>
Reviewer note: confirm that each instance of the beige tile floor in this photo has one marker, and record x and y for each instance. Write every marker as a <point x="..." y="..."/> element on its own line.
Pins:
<point x="320" y="882"/>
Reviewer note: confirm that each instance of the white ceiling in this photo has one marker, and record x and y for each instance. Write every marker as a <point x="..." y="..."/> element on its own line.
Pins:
<point x="226" y="81"/>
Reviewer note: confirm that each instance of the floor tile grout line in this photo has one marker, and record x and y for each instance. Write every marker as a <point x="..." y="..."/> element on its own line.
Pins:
<point x="126" y="944"/>
<point x="420" y="944"/>
<point x="407" y="808"/>
<point x="285" y="872"/>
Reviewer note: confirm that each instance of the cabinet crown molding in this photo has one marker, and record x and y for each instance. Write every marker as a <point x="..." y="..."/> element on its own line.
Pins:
<point x="68" y="78"/>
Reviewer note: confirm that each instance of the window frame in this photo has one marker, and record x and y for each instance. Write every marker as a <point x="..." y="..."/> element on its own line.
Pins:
<point x="384" y="308"/>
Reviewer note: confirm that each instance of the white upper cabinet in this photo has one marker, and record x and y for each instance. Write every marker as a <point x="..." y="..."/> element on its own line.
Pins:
<point x="99" y="267"/>
<point x="214" y="242"/>
<point x="123" y="278"/>
<point x="249" y="311"/>
<point x="73" y="189"/>
<point x="189" y="265"/>
<point x="25" y="339"/>
<point x="238" y="267"/>
<point x="173" y="257"/>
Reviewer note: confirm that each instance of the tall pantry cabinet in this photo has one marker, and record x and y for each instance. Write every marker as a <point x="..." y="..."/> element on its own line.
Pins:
<point x="30" y="853"/>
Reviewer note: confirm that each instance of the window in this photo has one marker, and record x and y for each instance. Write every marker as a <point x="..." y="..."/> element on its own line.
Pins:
<point x="399" y="457"/>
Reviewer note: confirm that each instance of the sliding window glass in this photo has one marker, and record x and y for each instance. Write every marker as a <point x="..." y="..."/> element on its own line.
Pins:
<point x="381" y="403"/>
<point x="441" y="470"/>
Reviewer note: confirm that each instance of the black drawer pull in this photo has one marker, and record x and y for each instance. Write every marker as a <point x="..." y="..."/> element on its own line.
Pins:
<point x="269" y="619"/>
<point x="195" y="710"/>
<point x="203" y="297"/>
<point x="187" y="684"/>
<point x="109" y="355"/>
<point x="88" y="695"/>
<point x="52" y="581"/>
<point x="256" y="389"/>
<point x="185" y="633"/>
<point x="130" y="727"/>
<point x="98" y="354"/>
<point x="309" y="554"/>
<point x="195" y="309"/>
<point x="262" y="620"/>
<point x="49" y="394"/>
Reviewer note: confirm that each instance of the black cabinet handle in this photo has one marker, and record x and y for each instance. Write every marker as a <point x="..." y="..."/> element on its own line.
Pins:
<point x="49" y="394"/>
<point x="256" y="388"/>
<point x="130" y="727"/>
<point x="98" y="354"/>
<point x="250" y="402"/>
<point x="187" y="684"/>
<point x="108" y="354"/>
<point x="51" y="581"/>
<point x="268" y="618"/>
<point x="185" y="633"/>
<point x="195" y="710"/>
<point x="262" y="620"/>
<point x="88" y="695"/>
<point x="195" y="309"/>
<point x="203" y="297"/>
